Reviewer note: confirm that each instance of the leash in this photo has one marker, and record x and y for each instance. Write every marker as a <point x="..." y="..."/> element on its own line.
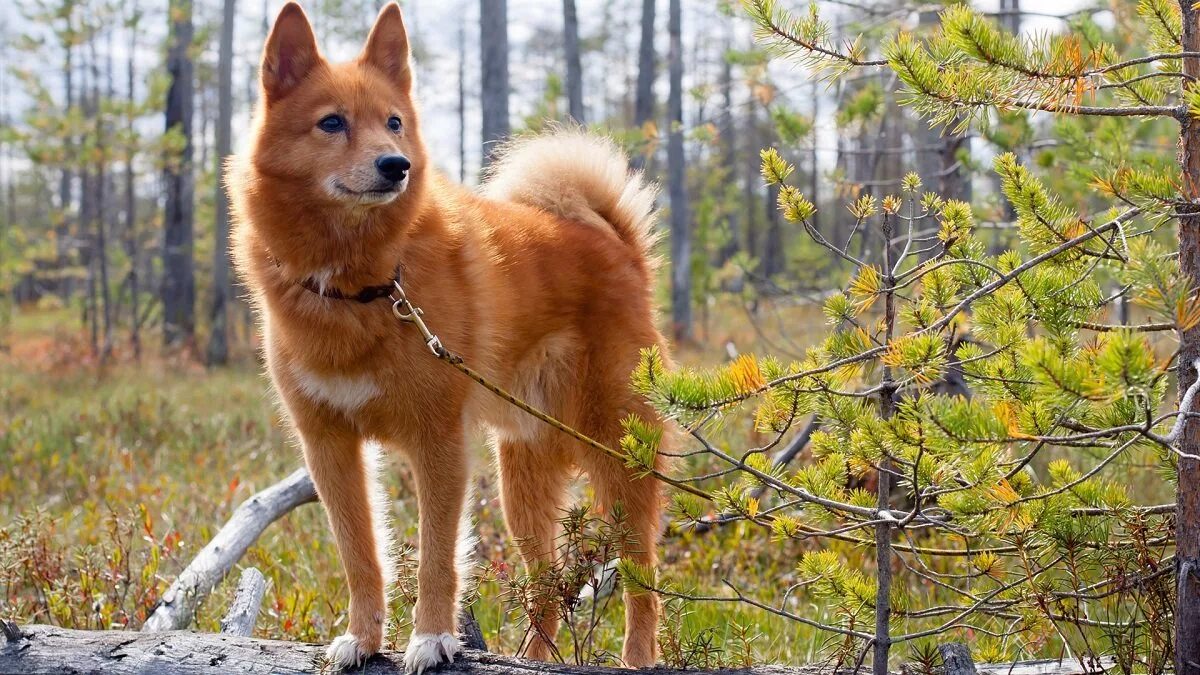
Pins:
<point x="407" y="312"/>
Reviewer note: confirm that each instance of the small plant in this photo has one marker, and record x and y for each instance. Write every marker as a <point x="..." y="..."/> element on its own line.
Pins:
<point x="112" y="584"/>
<point x="577" y="587"/>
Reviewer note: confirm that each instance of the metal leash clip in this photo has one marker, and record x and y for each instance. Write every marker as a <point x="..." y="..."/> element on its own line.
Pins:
<point x="407" y="312"/>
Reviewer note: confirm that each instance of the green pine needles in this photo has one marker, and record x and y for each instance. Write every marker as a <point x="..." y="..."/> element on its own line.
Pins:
<point x="979" y="396"/>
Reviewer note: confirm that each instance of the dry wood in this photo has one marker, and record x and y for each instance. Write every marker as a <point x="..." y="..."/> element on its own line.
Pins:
<point x="42" y="650"/>
<point x="1046" y="667"/>
<point x="243" y="611"/>
<point x="956" y="659"/>
<point x="179" y="603"/>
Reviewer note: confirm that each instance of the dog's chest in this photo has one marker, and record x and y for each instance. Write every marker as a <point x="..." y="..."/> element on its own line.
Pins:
<point x="346" y="393"/>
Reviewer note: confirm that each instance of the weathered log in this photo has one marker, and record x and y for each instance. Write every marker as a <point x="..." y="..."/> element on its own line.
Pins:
<point x="956" y="659"/>
<point x="43" y="650"/>
<point x="1046" y="667"/>
<point x="179" y="603"/>
<point x="243" y="611"/>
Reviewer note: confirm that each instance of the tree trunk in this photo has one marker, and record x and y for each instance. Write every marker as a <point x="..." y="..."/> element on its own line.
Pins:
<point x="493" y="51"/>
<point x="462" y="99"/>
<point x="131" y="239"/>
<point x="218" y="342"/>
<point x="752" y="178"/>
<point x="1187" y="514"/>
<point x="179" y="283"/>
<point x="937" y="147"/>
<point x="882" y="642"/>
<point x="574" y="67"/>
<point x="87" y="205"/>
<point x="681" y="236"/>
<point x="643" y="104"/>
<point x="67" y="179"/>
<point x="773" y="260"/>
<point x="101" y="214"/>
<point x="729" y="148"/>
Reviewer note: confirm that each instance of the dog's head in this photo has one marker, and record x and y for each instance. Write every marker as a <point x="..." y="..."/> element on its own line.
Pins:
<point x="344" y="132"/>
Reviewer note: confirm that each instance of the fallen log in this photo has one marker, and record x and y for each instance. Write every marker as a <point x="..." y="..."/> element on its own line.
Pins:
<point x="46" y="650"/>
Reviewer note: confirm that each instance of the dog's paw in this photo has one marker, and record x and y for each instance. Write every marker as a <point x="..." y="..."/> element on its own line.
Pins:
<point x="426" y="650"/>
<point x="347" y="651"/>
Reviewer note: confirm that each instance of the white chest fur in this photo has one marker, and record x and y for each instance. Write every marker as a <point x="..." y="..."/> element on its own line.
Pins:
<point x="345" y="393"/>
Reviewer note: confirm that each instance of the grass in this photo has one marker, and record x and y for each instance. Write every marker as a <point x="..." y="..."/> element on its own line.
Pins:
<point x="115" y="476"/>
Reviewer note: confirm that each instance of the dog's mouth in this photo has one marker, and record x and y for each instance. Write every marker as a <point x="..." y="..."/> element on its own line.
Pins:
<point x="378" y="194"/>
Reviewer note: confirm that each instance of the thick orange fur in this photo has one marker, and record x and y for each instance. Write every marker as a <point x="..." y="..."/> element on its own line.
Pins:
<point x="542" y="281"/>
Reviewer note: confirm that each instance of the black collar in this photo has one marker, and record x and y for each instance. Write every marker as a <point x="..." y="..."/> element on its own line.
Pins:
<point x="364" y="295"/>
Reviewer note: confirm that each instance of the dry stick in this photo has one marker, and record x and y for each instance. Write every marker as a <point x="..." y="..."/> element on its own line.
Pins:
<point x="215" y="560"/>
<point x="179" y="603"/>
<point x="243" y="611"/>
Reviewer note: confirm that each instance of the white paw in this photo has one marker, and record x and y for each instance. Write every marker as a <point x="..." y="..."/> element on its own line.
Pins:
<point x="426" y="650"/>
<point x="345" y="652"/>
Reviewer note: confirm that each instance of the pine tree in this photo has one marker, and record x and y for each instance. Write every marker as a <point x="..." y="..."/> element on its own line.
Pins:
<point x="1010" y="500"/>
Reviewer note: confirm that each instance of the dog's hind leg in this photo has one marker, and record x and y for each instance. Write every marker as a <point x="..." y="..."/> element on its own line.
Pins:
<point x="342" y="472"/>
<point x="533" y="478"/>
<point x="640" y="502"/>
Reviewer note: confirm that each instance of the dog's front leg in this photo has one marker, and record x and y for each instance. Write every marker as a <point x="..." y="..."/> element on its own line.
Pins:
<point x="342" y="472"/>
<point x="440" y="471"/>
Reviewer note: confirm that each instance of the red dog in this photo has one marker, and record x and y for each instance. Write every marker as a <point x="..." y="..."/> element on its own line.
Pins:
<point x="542" y="281"/>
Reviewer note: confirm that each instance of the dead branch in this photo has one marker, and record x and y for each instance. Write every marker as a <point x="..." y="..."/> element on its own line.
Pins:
<point x="179" y="603"/>
<point x="243" y="611"/>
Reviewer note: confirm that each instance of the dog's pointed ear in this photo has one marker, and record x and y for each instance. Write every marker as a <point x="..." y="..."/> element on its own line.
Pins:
<point x="290" y="54"/>
<point x="387" y="47"/>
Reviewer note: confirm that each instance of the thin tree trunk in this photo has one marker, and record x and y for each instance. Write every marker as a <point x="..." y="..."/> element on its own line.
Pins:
<point x="937" y="147"/>
<point x="883" y="494"/>
<point x="218" y="342"/>
<point x="643" y="105"/>
<point x="462" y="98"/>
<point x="493" y="51"/>
<point x="67" y="179"/>
<point x="773" y="261"/>
<point x="729" y="148"/>
<point x="131" y="238"/>
<point x="814" y="187"/>
<point x="681" y="236"/>
<point x="87" y="209"/>
<point x="1187" y="514"/>
<point x="753" y="177"/>
<point x="179" y="284"/>
<point x="772" y="256"/>
<point x="574" y="66"/>
<point x="101" y="216"/>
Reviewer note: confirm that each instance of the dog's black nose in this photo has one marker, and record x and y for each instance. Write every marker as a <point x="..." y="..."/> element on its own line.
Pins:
<point x="393" y="167"/>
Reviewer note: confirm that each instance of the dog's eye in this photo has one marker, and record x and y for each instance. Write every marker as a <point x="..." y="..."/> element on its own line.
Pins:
<point x="394" y="123"/>
<point x="332" y="124"/>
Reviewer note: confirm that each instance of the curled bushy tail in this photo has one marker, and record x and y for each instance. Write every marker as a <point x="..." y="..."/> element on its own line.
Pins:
<point x="577" y="176"/>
